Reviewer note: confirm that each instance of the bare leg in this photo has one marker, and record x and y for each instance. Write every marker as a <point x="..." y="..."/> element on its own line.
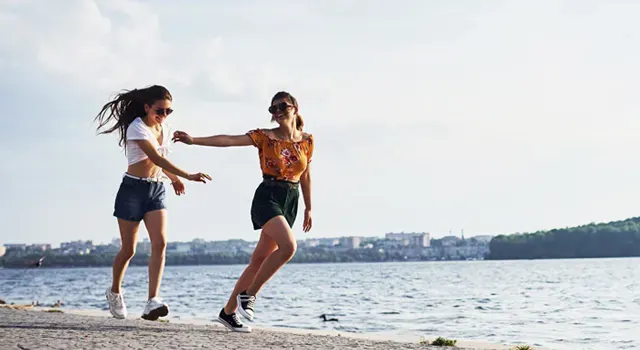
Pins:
<point x="129" y="237"/>
<point x="156" y="223"/>
<point x="265" y="246"/>
<point x="277" y="229"/>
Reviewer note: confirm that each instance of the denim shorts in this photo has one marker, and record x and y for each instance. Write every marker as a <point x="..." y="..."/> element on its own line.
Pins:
<point x="137" y="197"/>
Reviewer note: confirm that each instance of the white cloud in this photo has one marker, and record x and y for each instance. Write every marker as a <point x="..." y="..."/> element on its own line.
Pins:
<point x="110" y="45"/>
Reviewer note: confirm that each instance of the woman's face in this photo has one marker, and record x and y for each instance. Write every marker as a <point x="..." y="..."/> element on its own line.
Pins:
<point x="158" y="111"/>
<point x="282" y="110"/>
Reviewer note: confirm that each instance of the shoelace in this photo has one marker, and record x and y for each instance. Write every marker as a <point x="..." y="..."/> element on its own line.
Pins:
<point x="236" y="320"/>
<point x="119" y="301"/>
<point x="251" y="301"/>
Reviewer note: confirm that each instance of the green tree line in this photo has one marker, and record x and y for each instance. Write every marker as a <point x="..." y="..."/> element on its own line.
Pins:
<point x="310" y="255"/>
<point x="603" y="240"/>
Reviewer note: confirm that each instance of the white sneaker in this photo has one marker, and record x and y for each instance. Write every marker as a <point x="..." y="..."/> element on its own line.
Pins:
<point x="116" y="304"/>
<point x="155" y="308"/>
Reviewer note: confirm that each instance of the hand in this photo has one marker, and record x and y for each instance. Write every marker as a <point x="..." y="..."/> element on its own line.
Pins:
<point x="178" y="186"/>
<point x="199" y="177"/>
<point x="306" y="225"/>
<point x="181" y="136"/>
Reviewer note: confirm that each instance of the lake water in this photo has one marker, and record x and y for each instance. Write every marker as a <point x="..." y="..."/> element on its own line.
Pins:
<point x="561" y="304"/>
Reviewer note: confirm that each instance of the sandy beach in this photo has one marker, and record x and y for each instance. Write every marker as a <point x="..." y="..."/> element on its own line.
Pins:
<point x="37" y="329"/>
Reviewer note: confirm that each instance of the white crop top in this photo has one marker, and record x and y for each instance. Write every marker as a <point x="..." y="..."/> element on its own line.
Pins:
<point x="138" y="130"/>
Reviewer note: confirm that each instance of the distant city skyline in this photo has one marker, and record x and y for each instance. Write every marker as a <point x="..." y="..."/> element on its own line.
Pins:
<point x="493" y="117"/>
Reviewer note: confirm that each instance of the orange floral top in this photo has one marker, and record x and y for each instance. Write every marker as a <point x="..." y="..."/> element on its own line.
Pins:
<point x="284" y="160"/>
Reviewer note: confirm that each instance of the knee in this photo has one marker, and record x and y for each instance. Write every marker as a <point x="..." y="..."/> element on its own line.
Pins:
<point x="127" y="253"/>
<point x="288" y="250"/>
<point x="159" y="246"/>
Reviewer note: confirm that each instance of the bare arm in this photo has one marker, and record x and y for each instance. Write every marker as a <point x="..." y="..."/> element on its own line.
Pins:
<point x="171" y="176"/>
<point x="159" y="160"/>
<point x="213" y="141"/>
<point x="305" y="183"/>
<point x="223" y="140"/>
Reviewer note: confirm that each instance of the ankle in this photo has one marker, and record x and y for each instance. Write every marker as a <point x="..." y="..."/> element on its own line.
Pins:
<point x="228" y="310"/>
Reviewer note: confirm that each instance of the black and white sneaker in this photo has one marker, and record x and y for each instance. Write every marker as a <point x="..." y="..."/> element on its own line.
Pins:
<point x="232" y="322"/>
<point x="246" y="304"/>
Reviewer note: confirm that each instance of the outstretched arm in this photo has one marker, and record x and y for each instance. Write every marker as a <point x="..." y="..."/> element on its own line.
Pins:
<point x="213" y="141"/>
<point x="165" y="164"/>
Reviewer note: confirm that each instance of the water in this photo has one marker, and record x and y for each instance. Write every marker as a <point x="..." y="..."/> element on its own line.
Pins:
<point x="561" y="304"/>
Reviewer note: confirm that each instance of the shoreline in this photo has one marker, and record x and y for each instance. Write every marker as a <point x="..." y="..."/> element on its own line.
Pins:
<point x="19" y="323"/>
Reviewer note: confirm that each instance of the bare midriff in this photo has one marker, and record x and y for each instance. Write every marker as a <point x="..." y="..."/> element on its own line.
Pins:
<point x="144" y="168"/>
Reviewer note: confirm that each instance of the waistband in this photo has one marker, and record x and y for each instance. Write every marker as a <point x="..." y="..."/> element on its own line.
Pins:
<point x="272" y="180"/>
<point x="145" y="179"/>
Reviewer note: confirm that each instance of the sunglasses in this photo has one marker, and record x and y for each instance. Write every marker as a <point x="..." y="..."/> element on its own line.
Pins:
<point x="280" y="106"/>
<point x="164" y="111"/>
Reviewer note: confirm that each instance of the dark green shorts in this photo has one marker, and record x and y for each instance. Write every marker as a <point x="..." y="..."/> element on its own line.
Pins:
<point x="273" y="198"/>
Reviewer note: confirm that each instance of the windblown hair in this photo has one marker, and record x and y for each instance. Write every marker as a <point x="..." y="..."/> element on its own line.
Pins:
<point x="126" y="107"/>
<point x="285" y="95"/>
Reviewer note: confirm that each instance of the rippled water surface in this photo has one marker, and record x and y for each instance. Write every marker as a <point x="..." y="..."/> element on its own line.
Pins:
<point x="561" y="304"/>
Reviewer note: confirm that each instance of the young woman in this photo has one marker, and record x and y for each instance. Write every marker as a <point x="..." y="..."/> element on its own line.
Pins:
<point x="285" y="153"/>
<point x="140" y="116"/>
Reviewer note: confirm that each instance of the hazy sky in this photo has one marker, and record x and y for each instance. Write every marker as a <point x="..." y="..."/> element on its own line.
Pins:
<point x="493" y="117"/>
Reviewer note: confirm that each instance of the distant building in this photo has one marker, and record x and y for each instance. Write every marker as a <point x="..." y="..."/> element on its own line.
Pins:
<point x="309" y="243"/>
<point x="350" y="242"/>
<point x="413" y="239"/>
<point x="144" y="247"/>
<point x="77" y="245"/>
<point x="15" y="246"/>
<point x="3" y="250"/>
<point x="328" y="242"/>
<point x="449" y="241"/>
<point x="38" y="247"/>
<point x="483" y="238"/>
<point x="178" y="247"/>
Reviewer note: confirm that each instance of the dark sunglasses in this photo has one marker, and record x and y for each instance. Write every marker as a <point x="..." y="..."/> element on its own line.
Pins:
<point x="162" y="111"/>
<point x="280" y="106"/>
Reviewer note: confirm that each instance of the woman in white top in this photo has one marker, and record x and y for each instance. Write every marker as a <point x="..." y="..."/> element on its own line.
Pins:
<point x="139" y="117"/>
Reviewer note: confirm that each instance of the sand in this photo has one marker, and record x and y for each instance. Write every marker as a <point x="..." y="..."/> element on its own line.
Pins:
<point x="35" y="328"/>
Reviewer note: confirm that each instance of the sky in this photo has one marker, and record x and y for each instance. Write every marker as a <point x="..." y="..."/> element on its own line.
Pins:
<point x="491" y="117"/>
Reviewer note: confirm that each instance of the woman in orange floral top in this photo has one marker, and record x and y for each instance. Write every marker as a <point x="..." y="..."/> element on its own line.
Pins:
<point x="285" y="154"/>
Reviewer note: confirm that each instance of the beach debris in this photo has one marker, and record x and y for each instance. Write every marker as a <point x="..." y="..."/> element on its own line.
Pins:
<point x="325" y="319"/>
<point x="54" y="311"/>
<point x="17" y="307"/>
<point x="2" y="302"/>
<point x="439" y="341"/>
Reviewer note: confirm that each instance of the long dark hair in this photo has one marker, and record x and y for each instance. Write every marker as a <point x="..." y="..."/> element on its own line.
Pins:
<point x="127" y="106"/>
<point x="285" y="95"/>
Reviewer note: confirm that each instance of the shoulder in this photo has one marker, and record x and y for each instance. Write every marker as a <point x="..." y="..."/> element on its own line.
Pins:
<point x="137" y="129"/>
<point x="138" y="124"/>
<point x="307" y="137"/>
<point x="257" y="136"/>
